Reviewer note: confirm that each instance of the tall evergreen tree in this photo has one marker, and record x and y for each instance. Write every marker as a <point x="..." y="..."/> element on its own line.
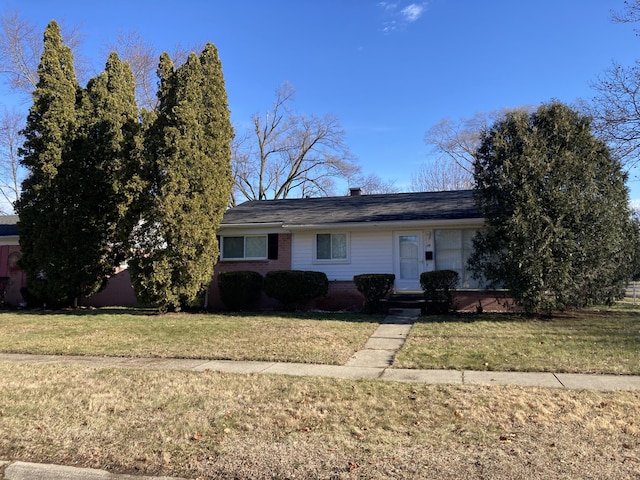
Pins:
<point x="96" y="179"/>
<point x="557" y="211"/>
<point x="80" y="153"/>
<point x="190" y="182"/>
<point x="48" y="134"/>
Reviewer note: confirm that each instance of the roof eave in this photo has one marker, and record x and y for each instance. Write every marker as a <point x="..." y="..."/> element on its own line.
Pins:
<point x="395" y="224"/>
<point x="390" y="224"/>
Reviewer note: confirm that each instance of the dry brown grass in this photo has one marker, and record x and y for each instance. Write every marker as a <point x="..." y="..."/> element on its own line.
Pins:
<point x="326" y="338"/>
<point x="212" y="425"/>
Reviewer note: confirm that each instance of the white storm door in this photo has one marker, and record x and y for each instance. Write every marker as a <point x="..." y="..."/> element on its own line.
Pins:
<point x="408" y="259"/>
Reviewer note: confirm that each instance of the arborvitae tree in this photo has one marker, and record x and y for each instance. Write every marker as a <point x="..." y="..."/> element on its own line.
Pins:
<point x="556" y="206"/>
<point x="189" y="148"/>
<point x="95" y="179"/>
<point x="80" y="153"/>
<point x="48" y="134"/>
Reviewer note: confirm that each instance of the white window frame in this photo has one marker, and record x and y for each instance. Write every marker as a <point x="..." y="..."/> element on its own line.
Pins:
<point x="346" y="259"/>
<point x="244" y="248"/>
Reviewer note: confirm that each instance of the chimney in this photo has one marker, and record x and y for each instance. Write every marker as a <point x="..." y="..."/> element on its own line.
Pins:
<point x="355" y="192"/>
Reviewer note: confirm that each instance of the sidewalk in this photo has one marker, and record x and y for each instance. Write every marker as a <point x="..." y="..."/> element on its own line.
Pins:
<point x="455" y="377"/>
<point x="372" y="362"/>
<point x="39" y="471"/>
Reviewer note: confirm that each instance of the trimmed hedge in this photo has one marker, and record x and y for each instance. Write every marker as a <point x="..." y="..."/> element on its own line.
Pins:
<point x="240" y="290"/>
<point x="294" y="288"/>
<point x="438" y="287"/>
<point x="374" y="287"/>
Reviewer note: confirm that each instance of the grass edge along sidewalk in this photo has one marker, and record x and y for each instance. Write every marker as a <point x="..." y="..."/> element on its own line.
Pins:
<point x="428" y="377"/>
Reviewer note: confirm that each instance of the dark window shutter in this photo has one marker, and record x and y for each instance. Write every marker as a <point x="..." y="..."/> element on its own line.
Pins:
<point x="272" y="246"/>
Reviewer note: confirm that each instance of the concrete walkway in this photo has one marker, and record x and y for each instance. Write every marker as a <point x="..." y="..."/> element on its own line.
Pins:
<point x="372" y="362"/>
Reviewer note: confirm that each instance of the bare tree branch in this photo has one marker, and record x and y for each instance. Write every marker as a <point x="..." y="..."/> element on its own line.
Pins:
<point x="11" y="174"/>
<point x="142" y="57"/>
<point x="616" y="111"/>
<point x="290" y="155"/>
<point x="454" y="144"/>
<point x="442" y="174"/>
<point x="372" y="184"/>
<point x="21" y="48"/>
<point x="630" y="14"/>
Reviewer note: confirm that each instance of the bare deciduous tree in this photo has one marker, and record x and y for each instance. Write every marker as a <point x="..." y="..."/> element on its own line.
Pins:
<point x="454" y="144"/>
<point x="288" y="154"/>
<point x="630" y="14"/>
<point x="143" y="60"/>
<point x="20" y="50"/>
<point x="373" y="184"/>
<point x="616" y="111"/>
<point x="616" y="107"/>
<point x="11" y="175"/>
<point x="440" y="175"/>
<point x="143" y="57"/>
<point x="21" y="47"/>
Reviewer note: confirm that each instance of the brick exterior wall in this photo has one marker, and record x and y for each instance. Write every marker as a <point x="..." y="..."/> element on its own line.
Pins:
<point x="119" y="291"/>
<point x="14" y="278"/>
<point x="342" y="295"/>
<point x="486" y="301"/>
<point x="283" y="262"/>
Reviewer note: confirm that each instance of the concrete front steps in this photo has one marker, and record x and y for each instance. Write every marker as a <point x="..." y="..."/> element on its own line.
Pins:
<point x="405" y="300"/>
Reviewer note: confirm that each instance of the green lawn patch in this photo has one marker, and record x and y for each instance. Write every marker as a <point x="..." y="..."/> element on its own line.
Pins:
<point x="581" y="342"/>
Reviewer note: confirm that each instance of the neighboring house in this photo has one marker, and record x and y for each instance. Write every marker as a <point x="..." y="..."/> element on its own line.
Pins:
<point x="119" y="290"/>
<point x="404" y="234"/>
<point x="12" y="279"/>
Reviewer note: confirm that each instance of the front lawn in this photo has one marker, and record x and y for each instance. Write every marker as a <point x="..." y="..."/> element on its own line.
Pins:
<point x="209" y="425"/>
<point x="326" y="338"/>
<point x="582" y="342"/>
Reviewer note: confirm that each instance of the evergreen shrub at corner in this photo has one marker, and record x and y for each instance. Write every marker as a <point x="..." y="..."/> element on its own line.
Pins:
<point x="294" y="288"/>
<point x="240" y="290"/>
<point x="374" y="287"/>
<point x="438" y="287"/>
<point x="558" y="230"/>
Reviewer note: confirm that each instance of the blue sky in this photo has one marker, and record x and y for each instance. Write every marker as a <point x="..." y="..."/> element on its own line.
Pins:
<point x="388" y="70"/>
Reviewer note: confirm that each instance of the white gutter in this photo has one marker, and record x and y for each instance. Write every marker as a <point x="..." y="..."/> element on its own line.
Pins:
<point x="10" y="240"/>
<point x="393" y="224"/>
<point x="472" y="222"/>
<point x="250" y="225"/>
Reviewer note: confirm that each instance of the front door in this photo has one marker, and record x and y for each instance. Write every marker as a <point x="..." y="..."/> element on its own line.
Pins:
<point x="409" y="263"/>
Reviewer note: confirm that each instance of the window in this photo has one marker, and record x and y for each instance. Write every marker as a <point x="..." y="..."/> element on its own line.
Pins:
<point x="332" y="247"/>
<point x="247" y="247"/>
<point x="453" y="248"/>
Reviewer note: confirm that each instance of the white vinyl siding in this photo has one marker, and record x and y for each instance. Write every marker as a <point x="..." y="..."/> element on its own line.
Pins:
<point x="368" y="252"/>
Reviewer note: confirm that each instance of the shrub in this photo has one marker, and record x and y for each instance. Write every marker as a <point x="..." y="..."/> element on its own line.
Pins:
<point x="438" y="289"/>
<point x="374" y="287"/>
<point x="294" y="288"/>
<point x="240" y="290"/>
